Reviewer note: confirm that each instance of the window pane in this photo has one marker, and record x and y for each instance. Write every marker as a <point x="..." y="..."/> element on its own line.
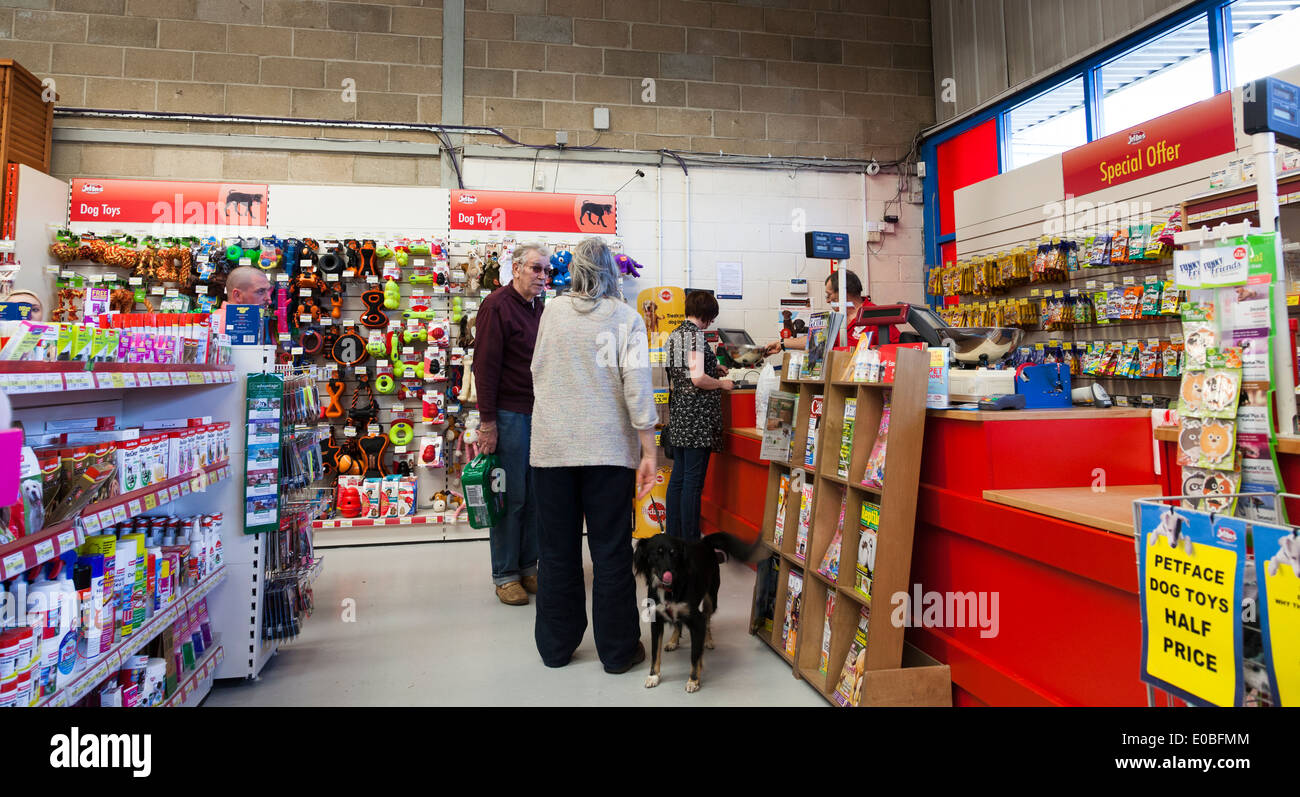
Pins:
<point x="1164" y="75"/>
<point x="1050" y="123"/>
<point x="1265" y="36"/>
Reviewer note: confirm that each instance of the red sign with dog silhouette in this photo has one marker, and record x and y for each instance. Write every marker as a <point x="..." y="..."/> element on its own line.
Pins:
<point x="168" y="202"/>
<point x="523" y="211"/>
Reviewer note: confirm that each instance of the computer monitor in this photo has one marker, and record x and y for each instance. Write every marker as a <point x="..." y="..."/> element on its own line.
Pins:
<point x="737" y="337"/>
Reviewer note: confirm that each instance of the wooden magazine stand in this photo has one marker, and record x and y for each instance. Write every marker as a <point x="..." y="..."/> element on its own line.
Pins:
<point x="897" y="674"/>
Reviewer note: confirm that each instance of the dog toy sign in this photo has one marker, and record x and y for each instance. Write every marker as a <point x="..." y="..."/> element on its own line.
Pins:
<point x="534" y="212"/>
<point x="1277" y="565"/>
<point x="168" y="202"/>
<point x="1191" y="566"/>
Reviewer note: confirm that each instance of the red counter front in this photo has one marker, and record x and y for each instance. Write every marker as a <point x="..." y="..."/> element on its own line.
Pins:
<point x="736" y="487"/>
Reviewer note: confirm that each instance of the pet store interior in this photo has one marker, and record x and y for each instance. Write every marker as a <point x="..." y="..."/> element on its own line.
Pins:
<point x="655" y="353"/>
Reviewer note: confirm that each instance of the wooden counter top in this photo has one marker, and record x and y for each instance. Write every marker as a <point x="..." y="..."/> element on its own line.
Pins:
<point x="1111" y="510"/>
<point x="1286" y="443"/>
<point x="1040" y="415"/>
<point x="741" y="431"/>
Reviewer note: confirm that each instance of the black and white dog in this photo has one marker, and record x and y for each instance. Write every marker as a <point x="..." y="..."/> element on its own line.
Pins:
<point x="682" y="581"/>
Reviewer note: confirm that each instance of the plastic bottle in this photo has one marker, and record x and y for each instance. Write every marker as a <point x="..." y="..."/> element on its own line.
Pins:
<point x="19" y="588"/>
<point x="218" y="553"/>
<point x="69" y="617"/>
<point x="197" y="571"/>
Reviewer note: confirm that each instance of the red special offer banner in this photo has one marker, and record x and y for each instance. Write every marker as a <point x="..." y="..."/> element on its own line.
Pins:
<point x="168" y="202"/>
<point x="530" y="212"/>
<point x="1185" y="136"/>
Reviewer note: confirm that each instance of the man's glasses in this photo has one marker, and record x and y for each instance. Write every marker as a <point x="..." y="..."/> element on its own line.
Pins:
<point x="538" y="269"/>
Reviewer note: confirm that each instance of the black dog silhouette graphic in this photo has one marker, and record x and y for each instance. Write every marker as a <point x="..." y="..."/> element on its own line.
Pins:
<point x="596" y="212"/>
<point x="242" y="200"/>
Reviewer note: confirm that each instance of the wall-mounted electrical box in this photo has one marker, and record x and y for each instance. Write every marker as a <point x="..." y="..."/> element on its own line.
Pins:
<point x="600" y="119"/>
<point x="798" y="285"/>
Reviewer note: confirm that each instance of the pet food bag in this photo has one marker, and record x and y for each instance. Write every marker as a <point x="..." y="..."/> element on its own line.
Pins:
<point x="485" y="494"/>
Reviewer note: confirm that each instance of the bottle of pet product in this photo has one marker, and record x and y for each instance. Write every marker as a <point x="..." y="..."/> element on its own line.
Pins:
<point x="218" y="521"/>
<point x="485" y="504"/>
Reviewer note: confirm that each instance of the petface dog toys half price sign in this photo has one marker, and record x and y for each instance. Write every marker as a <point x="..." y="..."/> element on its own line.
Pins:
<point x="1191" y="571"/>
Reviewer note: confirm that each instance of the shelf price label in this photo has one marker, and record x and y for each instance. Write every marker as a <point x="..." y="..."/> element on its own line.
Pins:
<point x="44" y="550"/>
<point x="150" y="501"/>
<point x="14" y="563"/>
<point x="91" y="522"/>
<point x="67" y="540"/>
<point x="135" y="507"/>
<point x="119" y="514"/>
<point x="128" y="380"/>
<point x="81" y="380"/>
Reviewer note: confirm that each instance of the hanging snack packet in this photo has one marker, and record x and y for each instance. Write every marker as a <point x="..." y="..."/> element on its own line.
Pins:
<point x="1119" y="247"/>
<point x="1169" y="298"/>
<point x="1132" y="307"/>
<point x="1151" y="297"/>
<point x="1156" y="247"/>
<point x="1137" y="242"/>
<point x="1173" y="357"/>
<point x="1150" y="361"/>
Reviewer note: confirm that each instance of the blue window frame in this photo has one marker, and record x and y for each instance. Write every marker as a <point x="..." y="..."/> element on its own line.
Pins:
<point x="1222" y="37"/>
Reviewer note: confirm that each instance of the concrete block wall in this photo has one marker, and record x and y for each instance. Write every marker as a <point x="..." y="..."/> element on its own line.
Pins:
<point x="812" y="77"/>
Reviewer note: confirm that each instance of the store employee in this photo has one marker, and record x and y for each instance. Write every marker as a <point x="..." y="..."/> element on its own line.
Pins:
<point x="854" y="287"/>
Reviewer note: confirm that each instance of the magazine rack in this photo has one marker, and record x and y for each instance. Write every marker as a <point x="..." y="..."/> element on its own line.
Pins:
<point x="896" y="674"/>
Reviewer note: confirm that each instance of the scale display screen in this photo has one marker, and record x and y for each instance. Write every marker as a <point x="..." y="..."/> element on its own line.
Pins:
<point x="826" y="245"/>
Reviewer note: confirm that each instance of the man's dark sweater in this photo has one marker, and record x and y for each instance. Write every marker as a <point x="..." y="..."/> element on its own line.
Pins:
<point x="504" y="336"/>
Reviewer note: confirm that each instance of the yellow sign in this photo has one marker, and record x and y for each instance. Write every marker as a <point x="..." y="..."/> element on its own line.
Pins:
<point x="653" y="509"/>
<point x="1189" y="592"/>
<point x="662" y="309"/>
<point x="1284" y="630"/>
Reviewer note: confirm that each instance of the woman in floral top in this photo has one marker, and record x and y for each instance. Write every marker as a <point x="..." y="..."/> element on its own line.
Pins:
<point x="694" y="413"/>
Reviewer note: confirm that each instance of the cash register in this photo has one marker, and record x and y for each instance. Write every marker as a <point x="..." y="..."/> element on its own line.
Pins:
<point x="739" y="354"/>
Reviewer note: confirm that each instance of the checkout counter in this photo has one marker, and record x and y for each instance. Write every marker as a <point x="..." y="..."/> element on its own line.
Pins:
<point x="1032" y="505"/>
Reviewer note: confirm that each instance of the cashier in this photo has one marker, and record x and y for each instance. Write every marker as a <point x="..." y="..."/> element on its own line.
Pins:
<point x="854" y="287"/>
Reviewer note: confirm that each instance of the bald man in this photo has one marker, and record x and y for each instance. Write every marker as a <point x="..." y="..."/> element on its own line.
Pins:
<point x="248" y="285"/>
<point x="244" y="285"/>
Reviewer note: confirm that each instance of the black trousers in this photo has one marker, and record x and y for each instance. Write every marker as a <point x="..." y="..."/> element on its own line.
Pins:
<point x="603" y="497"/>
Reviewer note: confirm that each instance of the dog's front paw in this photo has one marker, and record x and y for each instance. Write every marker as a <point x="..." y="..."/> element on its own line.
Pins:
<point x="651" y="681"/>
<point x="670" y="645"/>
<point x="692" y="686"/>
<point x="708" y="642"/>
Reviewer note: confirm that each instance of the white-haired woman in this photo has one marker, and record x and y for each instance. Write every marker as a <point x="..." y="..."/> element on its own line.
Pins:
<point x="592" y="452"/>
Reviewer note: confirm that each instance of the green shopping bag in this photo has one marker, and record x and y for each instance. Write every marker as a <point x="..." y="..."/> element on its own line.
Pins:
<point x="485" y="491"/>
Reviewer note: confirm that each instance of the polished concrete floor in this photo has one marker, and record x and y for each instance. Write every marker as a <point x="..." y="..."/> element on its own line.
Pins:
<point x="420" y="625"/>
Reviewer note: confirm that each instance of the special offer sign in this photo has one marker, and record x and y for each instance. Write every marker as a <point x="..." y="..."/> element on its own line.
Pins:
<point x="1186" y="136"/>
<point x="530" y="212"/>
<point x="168" y="202"/>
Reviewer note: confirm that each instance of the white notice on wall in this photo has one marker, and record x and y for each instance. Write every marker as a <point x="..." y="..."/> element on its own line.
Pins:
<point x="731" y="279"/>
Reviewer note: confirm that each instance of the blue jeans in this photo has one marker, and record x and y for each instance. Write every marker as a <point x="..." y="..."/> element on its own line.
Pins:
<point x="685" y="485"/>
<point x="514" y="539"/>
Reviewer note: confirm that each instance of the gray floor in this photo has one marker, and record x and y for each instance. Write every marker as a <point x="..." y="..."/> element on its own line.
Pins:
<point x="429" y="631"/>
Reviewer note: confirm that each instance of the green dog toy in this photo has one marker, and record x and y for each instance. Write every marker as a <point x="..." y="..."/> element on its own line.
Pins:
<point x="392" y="295"/>
<point x="421" y="315"/>
<point x="457" y="309"/>
<point x="416" y="279"/>
<point x="384" y="384"/>
<point x="408" y="370"/>
<point x="375" y="345"/>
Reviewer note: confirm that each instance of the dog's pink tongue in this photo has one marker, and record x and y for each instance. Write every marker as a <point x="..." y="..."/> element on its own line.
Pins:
<point x="668" y="578"/>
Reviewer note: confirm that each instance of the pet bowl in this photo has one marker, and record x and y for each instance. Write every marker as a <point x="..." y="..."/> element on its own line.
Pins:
<point x="969" y="343"/>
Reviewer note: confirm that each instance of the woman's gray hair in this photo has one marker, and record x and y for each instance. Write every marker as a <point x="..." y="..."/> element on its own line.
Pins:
<point x="595" y="275"/>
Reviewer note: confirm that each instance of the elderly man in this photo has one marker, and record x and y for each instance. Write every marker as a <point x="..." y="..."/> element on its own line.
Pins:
<point x="505" y="333"/>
